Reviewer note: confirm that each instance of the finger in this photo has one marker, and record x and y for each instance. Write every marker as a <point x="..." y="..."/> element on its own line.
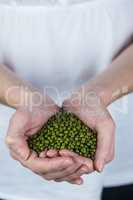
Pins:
<point x="46" y="165"/>
<point x="66" y="152"/>
<point x="52" y="153"/>
<point x="76" y="181"/>
<point x="43" y="154"/>
<point x="104" y="144"/>
<point x="80" y="171"/>
<point x="85" y="170"/>
<point x="19" y="146"/>
<point x="15" y="139"/>
<point x="62" y="173"/>
<point x="13" y="155"/>
<point x="79" y="159"/>
<point x="17" y="134"/>
<point x="75" y="175"/>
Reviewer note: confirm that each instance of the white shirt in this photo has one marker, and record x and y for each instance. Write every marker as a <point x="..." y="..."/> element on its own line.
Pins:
<point x="63" y="46"/>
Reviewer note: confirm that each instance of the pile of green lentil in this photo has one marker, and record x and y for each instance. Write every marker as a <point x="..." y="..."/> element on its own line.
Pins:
<point x="65" y="131"/>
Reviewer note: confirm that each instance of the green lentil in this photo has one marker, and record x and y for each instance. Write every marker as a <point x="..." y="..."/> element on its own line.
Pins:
<point x="65" y="131"/>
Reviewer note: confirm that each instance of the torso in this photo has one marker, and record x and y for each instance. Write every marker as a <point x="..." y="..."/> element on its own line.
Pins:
<point x="62" y="47"/>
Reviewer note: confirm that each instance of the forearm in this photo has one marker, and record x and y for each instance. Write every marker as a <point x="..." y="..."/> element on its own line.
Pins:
<point x="116" y="80"/>
<point x="13" y="91"/>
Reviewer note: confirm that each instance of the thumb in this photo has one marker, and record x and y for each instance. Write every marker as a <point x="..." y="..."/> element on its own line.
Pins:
<point x="16" y="139"/>
<point x="105" y="140"/>
<point x="18" y="146"/>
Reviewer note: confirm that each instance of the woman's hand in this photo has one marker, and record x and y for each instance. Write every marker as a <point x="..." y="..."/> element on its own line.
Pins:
<point x="33" y="109"/>
<point x="89" y="107"/>
<point x="109" y="85"/>
<point x="25" y="122"/>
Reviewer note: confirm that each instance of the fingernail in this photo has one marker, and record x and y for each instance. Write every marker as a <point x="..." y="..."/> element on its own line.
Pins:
<point x="101" y="166"/>
<point x="79" y="182"/>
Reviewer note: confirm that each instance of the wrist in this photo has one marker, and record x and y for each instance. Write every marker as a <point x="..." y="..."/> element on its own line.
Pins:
<point x="23" y="96"/>
<point x="105" y="95"/>
<point x="30" y="98"/>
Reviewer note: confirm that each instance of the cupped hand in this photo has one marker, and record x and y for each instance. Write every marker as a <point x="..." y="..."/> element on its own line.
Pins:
<point x="26" y="121"/>
<point x="89" y="107"/>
